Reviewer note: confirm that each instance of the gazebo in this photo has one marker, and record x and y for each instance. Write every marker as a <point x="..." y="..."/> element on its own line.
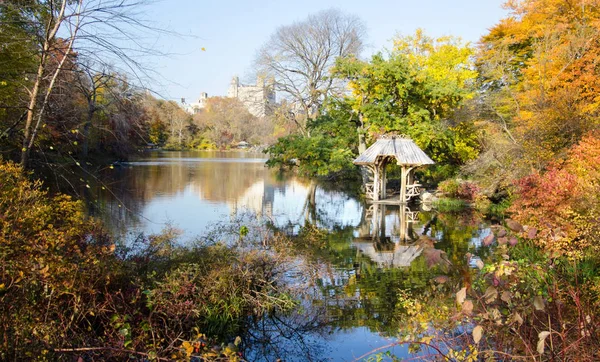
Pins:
<point x="384" y="151"/>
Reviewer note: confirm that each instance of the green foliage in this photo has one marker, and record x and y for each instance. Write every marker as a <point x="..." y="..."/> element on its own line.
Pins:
<point x="445" y="204"/>
<point x="314" y="156"/>
<point x="416" y="90"/>
<point x="329" y="151"/>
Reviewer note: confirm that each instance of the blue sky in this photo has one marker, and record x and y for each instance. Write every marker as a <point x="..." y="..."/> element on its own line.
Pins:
<point x="233" y="30"/>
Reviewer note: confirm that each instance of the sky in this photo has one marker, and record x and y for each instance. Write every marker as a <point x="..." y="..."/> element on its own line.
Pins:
<point x="232" y="31"/>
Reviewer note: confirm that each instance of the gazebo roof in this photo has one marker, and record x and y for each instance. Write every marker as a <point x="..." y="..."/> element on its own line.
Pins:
<point x="403" y="149"/>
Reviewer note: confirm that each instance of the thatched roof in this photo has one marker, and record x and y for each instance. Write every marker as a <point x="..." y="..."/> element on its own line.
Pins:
<point x="404" y="150"/>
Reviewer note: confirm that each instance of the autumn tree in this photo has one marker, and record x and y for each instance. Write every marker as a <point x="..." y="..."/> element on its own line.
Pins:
<point x="57" y="31"/>
<point x="227" y="120"/>
<point x="299" y="57"/>
<point x="168" y="115"/>
<point x="539" y="75"/>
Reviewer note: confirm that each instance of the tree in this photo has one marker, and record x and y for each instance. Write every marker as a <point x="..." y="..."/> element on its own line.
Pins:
<point x="330" y="150"/>
<point x="89" y="84"/>
<point x="17" y="62"/>
<point x="299" y="57"/>
<point x="64" y="31"/>
<point x="416" y="90"/>
<point x="227" y="120"/>
<point x="173" y="118"/>
<point x="539" y="75"/>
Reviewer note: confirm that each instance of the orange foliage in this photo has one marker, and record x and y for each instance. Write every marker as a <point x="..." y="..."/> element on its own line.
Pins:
<point x="563" y="204"/>
<point x="550" y="49"/>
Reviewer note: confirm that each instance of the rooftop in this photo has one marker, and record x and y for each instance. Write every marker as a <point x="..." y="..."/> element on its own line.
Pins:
<point x="402" y="148"/>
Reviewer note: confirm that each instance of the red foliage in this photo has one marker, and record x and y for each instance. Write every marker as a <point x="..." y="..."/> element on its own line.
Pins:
<point x="467" y="191"/>
<point x="561" y="203"/>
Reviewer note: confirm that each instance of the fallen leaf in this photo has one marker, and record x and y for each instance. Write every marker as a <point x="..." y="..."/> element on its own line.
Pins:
<point x="506" y="296"/>
<point x="517" y="318"/>
<point x="490" y="294"/>
<point x="513" y="241"/>
<point x="461" y="295"/>
<point x="479" y="264"/>
<point x="477" y="333"/>
<point x="435" y="257"/>
<point x="501" y="233"/>
<point x="541" y="341"/>
<point x="467" y="307"/>
<point x="503" y="240"/>
<point x="531" y="233"/>
<point x="538" y="303"/>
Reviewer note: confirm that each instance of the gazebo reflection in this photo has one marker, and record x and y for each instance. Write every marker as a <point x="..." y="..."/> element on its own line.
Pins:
<point x="387" y="235"/>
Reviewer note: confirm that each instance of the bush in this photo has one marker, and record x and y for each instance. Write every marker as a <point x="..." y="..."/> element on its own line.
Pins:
<point x="464" y="190"/>
<point x="563" y="203"/>
<point x="64" y="284"/>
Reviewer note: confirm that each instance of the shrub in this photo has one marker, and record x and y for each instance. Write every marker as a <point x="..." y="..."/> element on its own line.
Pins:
<point x="65" y="285"/>
<point x="563" y="203"/>
<point x="460" y="189"/>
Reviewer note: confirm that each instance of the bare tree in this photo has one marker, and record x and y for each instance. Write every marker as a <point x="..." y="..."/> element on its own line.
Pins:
<point x="299" y="57"/>
<point x="105" y="31"/>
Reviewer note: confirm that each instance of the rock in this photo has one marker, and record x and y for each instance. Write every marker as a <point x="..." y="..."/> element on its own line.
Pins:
<point x="531" y="233"/>
<point x="428" y="197"/>
<point x="488" y="240"/>
<point x="514" y="226"/>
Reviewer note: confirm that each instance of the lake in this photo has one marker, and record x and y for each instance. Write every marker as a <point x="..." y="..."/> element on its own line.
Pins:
<point x="372" y="253"/>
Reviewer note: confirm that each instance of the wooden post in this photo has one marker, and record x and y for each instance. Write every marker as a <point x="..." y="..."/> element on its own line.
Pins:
<point x="403" y="185"/>
<point x="383" y="181"/>
<point x="382" y="227"/>
<point x="376" y="222"/>
<point x="403" y="223"/>
<point x="376" y="183"/>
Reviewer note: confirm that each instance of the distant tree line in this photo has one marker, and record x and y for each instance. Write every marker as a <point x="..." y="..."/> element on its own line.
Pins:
<point x="70" y="93"/>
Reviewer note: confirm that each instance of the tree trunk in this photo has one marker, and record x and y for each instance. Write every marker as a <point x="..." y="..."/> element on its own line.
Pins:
<point x="31" y="109"/>
<point x="51" y="30"/>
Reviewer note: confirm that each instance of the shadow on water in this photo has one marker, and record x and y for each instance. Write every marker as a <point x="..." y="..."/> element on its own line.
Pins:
<point x="352" y="262"/>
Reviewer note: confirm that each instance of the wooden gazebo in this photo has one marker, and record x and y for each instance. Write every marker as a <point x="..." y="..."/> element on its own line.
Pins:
<point x="384" y="151"/>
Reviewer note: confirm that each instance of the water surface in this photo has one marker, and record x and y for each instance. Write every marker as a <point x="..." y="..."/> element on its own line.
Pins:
<point x="371" y="253"/>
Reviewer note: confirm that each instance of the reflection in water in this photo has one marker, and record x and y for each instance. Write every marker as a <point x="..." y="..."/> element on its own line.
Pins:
<point x="352" y="261"/>
<point x="193" y="193"/>
<point x="385" y="239"/>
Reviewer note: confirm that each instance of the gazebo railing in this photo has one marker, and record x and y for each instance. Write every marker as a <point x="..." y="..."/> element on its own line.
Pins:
<point x="413" y="190"/>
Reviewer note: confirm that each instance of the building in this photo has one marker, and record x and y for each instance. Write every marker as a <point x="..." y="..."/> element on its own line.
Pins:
<point x="258" y="98"/>
<point x="196" y="107"/>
